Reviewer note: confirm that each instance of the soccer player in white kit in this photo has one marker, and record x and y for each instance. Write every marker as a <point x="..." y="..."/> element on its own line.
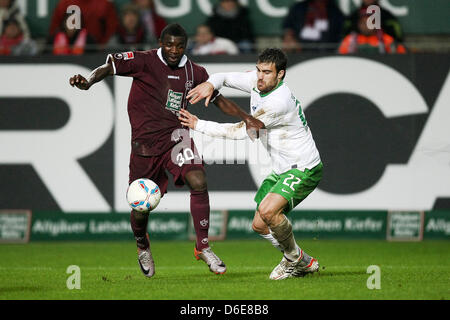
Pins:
<point x="296" y="163"/>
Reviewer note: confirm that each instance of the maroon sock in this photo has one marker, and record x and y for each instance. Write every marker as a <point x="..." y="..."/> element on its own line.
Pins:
<point x="200" y="217"/>
<point x="139" y="226"/>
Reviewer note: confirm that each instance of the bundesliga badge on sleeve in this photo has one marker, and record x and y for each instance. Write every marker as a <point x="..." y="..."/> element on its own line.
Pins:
<point x="128" y="55"/>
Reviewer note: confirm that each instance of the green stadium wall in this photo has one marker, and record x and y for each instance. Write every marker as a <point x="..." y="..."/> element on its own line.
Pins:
<point x="233" y="224"/>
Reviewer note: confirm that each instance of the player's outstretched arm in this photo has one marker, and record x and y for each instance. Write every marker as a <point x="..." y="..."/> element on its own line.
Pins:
<point x="96" y="75"/>
<point x="234" y="131"/>
<point x="237" y="80"/>
<point x="229" y="107"/>
<point x="206" y="89"/>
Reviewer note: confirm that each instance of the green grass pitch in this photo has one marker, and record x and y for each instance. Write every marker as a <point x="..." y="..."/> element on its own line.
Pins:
<point x="109" y="270"/>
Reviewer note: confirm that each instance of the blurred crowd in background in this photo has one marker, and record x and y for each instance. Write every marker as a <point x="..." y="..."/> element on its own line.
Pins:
<point x="310" y="26"/>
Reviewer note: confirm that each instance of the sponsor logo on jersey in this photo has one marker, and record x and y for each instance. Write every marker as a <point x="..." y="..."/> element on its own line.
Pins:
<point x="174" y="100"/>
<point x="128" y="55"/>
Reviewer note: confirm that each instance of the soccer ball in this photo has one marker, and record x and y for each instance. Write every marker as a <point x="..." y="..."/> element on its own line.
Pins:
<point x="143" y="195"/>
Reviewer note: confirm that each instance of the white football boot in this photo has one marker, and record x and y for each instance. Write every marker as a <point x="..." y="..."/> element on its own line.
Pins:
<point x="306" y="265"/>
<point x="212" y="260"/>
<point x="301" y="271"/>
<point x="298" y="268"/>
<point x="283" y="270"/>
<point x="146" y="262"/>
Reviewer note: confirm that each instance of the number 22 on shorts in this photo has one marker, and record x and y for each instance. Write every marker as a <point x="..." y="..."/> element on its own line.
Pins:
<point x="293" y="183"/>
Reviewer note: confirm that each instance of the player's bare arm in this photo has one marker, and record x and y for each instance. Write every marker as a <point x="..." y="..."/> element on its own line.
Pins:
<point x="205" y="91"/>
<point x="229" y="107"/>
<point x="96" y="75"/>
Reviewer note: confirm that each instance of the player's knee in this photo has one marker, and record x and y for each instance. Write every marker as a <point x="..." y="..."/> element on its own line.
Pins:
<point x="196" y="180"/>
<point x="266" y="213"/>
<point x="256" y="227"/>
<point x="259" y="227"/>
<point x="139" y="216"/>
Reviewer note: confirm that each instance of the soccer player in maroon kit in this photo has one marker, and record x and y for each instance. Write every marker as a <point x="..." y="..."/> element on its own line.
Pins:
<point x="161" y="80"/>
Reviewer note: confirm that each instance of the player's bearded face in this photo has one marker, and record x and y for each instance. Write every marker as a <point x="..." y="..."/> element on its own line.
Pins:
<point x="268" y="78"/>
<point x="172" y="49"/>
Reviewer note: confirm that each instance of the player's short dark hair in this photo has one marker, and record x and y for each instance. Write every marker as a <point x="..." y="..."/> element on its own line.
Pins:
<point x="176" y="30"/>
<point x="275" y="55"/>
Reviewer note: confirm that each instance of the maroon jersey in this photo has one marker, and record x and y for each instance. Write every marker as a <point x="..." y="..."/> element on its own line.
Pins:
<point x="157" y="94"/>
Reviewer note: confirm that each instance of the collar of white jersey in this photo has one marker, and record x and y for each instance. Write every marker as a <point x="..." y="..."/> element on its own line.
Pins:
<point x="181" y="64"/>
<point x="267" y="93"/>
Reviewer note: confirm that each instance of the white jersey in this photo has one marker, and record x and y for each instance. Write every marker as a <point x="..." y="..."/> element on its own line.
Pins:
<point x="289" y="141"/>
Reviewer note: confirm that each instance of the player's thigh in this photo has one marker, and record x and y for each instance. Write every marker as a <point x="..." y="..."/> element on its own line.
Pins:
<point x="295" y="185"/>
<point x="186" y="167"/>
<point x="265" y="188"/>
<point x="148" y="167"/>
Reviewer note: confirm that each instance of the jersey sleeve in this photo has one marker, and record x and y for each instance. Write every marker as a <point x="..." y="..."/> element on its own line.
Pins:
<point x="238" y="131"/>
<point x="128" y="64"/>
<point x="243" y="81"/>
<point x="203" y="78"/>
<point x="235" y="131"/>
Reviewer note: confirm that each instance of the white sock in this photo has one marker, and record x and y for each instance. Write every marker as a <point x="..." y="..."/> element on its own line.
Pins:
<point x="274" y="241"/>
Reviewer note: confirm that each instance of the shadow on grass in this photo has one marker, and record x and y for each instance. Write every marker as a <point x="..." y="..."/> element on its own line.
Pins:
<point x="248" y="274"/>
<point x="205" y="276"/>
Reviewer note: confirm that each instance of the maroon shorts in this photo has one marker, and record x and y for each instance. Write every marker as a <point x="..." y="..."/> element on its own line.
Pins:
<point x="178" y="160"/>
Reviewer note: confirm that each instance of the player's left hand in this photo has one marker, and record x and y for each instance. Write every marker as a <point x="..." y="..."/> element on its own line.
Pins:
<point x="253" y="126"/>
<point x="187" y="119"/>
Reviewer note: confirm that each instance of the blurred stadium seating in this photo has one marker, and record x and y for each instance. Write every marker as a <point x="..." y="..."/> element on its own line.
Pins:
<point x="426" y="27"/>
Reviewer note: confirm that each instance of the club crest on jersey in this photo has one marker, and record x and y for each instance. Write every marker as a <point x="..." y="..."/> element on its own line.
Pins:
<point x="128" y="55"/>
<point x="174" y="100"/>
<point x="189" y="84"/>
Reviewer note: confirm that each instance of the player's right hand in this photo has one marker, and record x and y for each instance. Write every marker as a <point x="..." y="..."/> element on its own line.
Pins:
<point x="203" y="90"/>
<point x="187" y="119"/>
<point x="79" y="81"/>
